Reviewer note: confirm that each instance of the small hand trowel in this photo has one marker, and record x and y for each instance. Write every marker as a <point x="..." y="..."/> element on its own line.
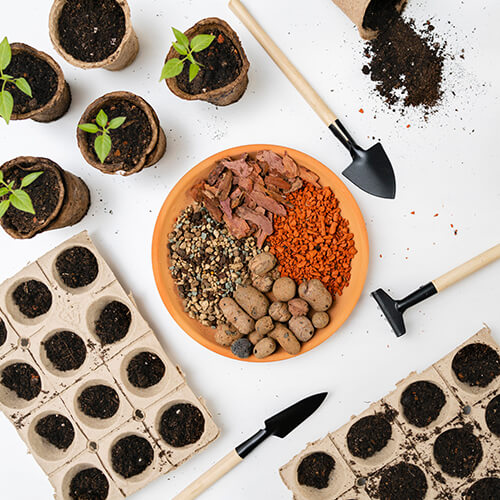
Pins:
<point x="371" y="169"/>
<point x="279" y="425"/>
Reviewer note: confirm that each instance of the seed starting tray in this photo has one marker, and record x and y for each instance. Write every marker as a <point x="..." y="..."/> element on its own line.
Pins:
<point x="140" y="409"/>
<point x="354" y="478"/>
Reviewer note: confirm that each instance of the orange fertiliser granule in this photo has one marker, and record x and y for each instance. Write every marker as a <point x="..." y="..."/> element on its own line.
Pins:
<point x="313" y="240"/>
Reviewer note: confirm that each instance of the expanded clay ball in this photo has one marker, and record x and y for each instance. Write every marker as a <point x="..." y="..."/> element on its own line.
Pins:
<point x="279" y="312"/>
<point x="242" y="348"/>
<point x="225" y="335"/>
<point x="264" y="325"/>
<point x="320" y="319"/>
<point x="298" y="307"/>
<point x="302" y="328"/>
<point x="284" y="289"/>
<point x="262" y="263"/>
<point x="263" y="283"/>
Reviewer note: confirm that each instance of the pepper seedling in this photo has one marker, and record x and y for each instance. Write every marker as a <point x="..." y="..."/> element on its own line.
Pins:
<point x="17" y="197"/>
<point x="102" y="143"/>
<point x="6" y="99"/>
<point x="174" y="66"/>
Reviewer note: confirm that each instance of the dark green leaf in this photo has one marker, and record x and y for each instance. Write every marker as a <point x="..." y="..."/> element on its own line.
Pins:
<point x="180" y="48"/>
<point x="102" y="146"/>
<point x="172" y="68"/>
<point x="91" y="128"/>
<point x="22" y="201"/>
<point x="24" y="86"/>
<point x="6" y="105"/>
<point x="101" y="119"/>
<point x="4" y="205"/>
<point x="117" y="122"/>
<point x="194" y="69"/>
<point x="201" y="42"/>
<point x="30" y="178"/>
<point x="181" y="38"/>
<point x="5" y="54"/>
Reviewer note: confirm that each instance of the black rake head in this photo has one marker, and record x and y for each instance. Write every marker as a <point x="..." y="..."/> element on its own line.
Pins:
<point x="391" y="310"/>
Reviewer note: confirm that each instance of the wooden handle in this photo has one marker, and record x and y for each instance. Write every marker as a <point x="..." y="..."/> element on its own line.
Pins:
<point x="282" y="61"/>
<point x="220" y="469"/>
<point x="471" y="266"/>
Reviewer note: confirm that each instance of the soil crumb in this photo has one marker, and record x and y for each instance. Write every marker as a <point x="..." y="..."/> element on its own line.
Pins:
<point x="77" y="267"/>
<point x="182" y="424"/>
<point x="315" y="470"/>
<point x="89" y="484"/>
<point x="23" y="379"/>
<point x="145" y="370"/>
<point x="368" y="436"/>
<point x="403" y="482"/>
<point x="131" y="456"/>
<point x="422" y="402"/>
<point x="57" y="430"/>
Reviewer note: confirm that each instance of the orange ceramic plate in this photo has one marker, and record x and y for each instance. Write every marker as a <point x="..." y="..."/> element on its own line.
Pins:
<point x="178" y="199"/>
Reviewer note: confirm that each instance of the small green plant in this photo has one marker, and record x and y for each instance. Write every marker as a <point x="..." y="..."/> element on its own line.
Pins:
<point x="17" y="197"/>
<point x="174" y="66"/>
<point x="6" y="99"/>
<point x="102" y="143"/>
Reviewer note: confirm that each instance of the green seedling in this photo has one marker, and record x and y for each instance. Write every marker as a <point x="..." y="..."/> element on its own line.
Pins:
<point x="102" y="143"/>
<point x="6" y="99"/>
<point x="17" y="197"/>
<point x="174" y="66"/>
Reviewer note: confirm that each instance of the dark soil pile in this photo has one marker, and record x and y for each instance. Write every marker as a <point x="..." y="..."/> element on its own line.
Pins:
<point x="44" y="194"/>
<point x="182" y="424"/>
<point x="99" y="401"/>
<point x="403" y="482"/>
<point x="89" y="484"/>
<point x="315" y="470"/>
<point x="493" y="415"/>
<point x="3" y="332"/>
<point x="23" y="379"/>
<point x="220" y="65"/>
<point x="131" y="140"/>
<point x="379" y="13"/>
<point x="33" y="298"/>
<point x="422" y="402"/>
<point x="77" y="267"/>
<point x="458" y="452"/>
<point x="145" y="370"/>
<point x="91" y="30"/>
<point x="487" y="488"/>
<point x="66" y="351"/>
<point x="131" y="455"/>
<point x="57" y="430"/>
<point x="113" y="322"/>
<point x="476" y="365"/>
<point x="40" y="76"/>
<point x="368" y="436"/>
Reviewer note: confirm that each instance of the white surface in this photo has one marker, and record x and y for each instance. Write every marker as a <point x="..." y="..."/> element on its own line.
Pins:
<point x="446" y="166"/>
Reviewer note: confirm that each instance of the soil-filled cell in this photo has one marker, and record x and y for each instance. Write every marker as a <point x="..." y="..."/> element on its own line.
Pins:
<point x="77" y="267"/>
<point x="487" y="488"/>
<point x="492" y="415"/>
<point x="89" y="484"/>
<point x="181" y="425"/>
<point x="145" y="370"/>
<point x="23" y="379"/>
<point x="458" y="452"/>
<point x="99" y="401"/>
<point x="113" y="323"/>
<point x="476" y="365"/>
<point x="57" y="430"/>
<point x="131" y="456"/>
<point x="3" y="332"/>
<point x="33" y="298"/>
<point x="315" y="470"/>
<point x="422" y="402"/>
<point x="65" y="350"/>
<point x="403" y="481"/>
<point x="368" y="436"/>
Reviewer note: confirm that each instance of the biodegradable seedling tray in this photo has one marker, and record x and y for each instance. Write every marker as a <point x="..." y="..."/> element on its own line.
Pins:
<point x="135" y="410"/>
<point x="463" y="407"/>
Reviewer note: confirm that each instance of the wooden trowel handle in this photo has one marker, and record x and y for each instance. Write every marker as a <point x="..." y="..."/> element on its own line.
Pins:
<point x="466" y="269"/>
<point x="282" y="61"/>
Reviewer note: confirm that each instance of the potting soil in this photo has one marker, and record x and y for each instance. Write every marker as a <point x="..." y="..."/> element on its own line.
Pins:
<point x="379" y="13"/>
<point x="145" y="370"/>
<point x="492" y="415"/>
<point x="476" y="365"/>
<point x="66" y="351"/>
<point x="89" y="484"/>
<point x="77" y="267"/>
<point x="131" y="456"/>
<point x="33" y="298"/>
<point x="57" y="430"/>
<point x="403" y="481"/>
<point x="487" y="488"/>
<point x="422" y="402"/>
<point x="3" y="332"/>
<point x="113" y="322"/>
<point x="23" y="379"/>
<point x="315" y="470"/>
<point x="182" y="424"/>
<point x="99" y="401"/>
<point x="369" y="435"/>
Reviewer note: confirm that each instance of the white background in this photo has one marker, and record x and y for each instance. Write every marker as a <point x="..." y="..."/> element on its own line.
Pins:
<point x="446" y="166"/>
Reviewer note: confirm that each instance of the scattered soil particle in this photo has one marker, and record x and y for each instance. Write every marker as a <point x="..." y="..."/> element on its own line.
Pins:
<point x="422" y="402"/>
<point x="66" y="351"/>
<point x="99" y="401"/>
<point x="89" y="484"/>
<point x="33" y="298"/>
<point x="44" y="194"/>
<point x="458" y="452"/>
<point x="3" y="332"/>
<point x="487" y="488"/>
<point x="23" y="379"/>
<point x="220" y="65"/>
<point x="368" y="436"/>
<point x="379" y="13"/>
<point x="493" y="415"/>
<point x="91" y="30"/>
<point x="145" y="370"/>
<point x="476" y="364"/>
<point x="403" y="481"/>
<point x="113" y="322"/>
<point x="131" y="455"/>
<point x="77" y="267"/>
<point x="315" y="470"/>
<point x="40" y="76"/>
<point x="182" y="424"/>
<point x="57" y="430"/>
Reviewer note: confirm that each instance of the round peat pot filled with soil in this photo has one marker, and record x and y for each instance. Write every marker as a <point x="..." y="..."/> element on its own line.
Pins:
<point x="59" y="199"/>
<point x="98" y="404"/>
<point x="88" y="483"/>
<point x="145" y="370"/>
<point x="487" y="488"/>
<point x="112" y="321"/>
<point x="492" y="415"/>
<point x="76" y="268"/>
<point x="20" y="384"/>
<point x="50" y="93"/>
<point x="131" y="456"/>
<point x="93" y="33"/>
<point x="458" y="452"/>
<point x="223" y="66"/>
<point x="368" y="436"/>
<point x="316" y="470"/>
<point x="422" y="403"/>
<point x="31" y="299"/>
<point x="182" y="424"/>
<point x="120" y="133"/>
<point x="63" y="352"/>
<point x="403" y="481"/>
<point x="51" y="435"/>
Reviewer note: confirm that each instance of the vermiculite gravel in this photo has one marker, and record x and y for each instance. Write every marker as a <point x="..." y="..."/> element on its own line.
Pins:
<point x="207" y="263"/>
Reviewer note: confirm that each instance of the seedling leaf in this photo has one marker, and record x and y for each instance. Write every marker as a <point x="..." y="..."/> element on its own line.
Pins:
<point x="194" y="69"/>
<point x="102" y="146"/>
<point x="30" y="178"/>
<point x="3" y="191"/>
<point x="22" y="201"/>
<point x="6" y="105"/>
<point x="117" y="122"/>
<point x="172" y="68"/>
<point x="4" y="206"/>
<point x="101" y="119"/>
<point x="180" y="48"/>
<point x="1" y="175"/>
<point x="24" y="86"/>
<point x="91" y="128"/>
<point x="5" y="54"/>
<point x="201" y="42"/>
<point x="181" y="38"/>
